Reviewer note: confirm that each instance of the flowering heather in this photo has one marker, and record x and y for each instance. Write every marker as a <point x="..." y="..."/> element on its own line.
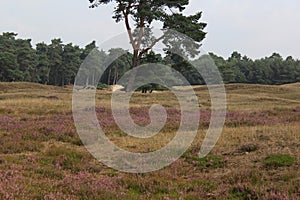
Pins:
<point x="42" y="157"/>
<point x="27" y="133"/>
<point x="11" y="184"/>
<point x="5" y="119"/>
<point x="56" y="125"/>
<point x="140" y="116"/>
<point x="86" y="185"/>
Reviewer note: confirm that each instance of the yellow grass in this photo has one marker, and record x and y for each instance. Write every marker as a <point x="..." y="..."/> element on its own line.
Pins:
<point x="20" y="100"/>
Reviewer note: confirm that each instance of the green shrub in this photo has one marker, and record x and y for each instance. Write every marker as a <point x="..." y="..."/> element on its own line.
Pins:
<point x="49" y="173"/>
<point x="67" y="158"/>
<point x="102" y="86"/>
<point x="243" y="192"/>
<point x="210" y="161"/>
<point x="10" y="145"/>
<point x="279" y="160"/>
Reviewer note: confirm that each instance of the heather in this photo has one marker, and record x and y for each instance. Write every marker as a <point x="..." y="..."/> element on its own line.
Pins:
<point x="256" y="157"/>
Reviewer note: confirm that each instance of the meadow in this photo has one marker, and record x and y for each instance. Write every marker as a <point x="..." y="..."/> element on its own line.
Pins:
<point x="256" y="157"/>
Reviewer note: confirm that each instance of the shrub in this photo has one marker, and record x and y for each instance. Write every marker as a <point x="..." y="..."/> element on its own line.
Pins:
<point x="10" y="145"/>
<point x="248" y="147"/>
<point x="66" y="158"/>
<point x="102" y="86"/>
<point x="210" y="161"/>
<point x="243" y="192"/>
<point x="279" y="160"/>
<point x="49" y="173"/>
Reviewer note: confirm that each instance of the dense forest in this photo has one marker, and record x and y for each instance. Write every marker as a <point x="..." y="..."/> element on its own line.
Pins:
<point x="57" y="64"/>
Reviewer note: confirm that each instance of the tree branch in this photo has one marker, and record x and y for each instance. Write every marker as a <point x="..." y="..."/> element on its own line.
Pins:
<point x="127" y="24"/>
<point x="141" y="26"/>
<point x="141" y="33"/>
<point x="145" y="50"/>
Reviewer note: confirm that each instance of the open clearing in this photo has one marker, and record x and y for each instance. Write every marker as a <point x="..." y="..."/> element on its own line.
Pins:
<point x="257" y="156"/>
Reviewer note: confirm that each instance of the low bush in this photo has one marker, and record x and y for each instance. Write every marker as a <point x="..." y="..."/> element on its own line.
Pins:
<point x="279" y="160"/>
<point x="248" y="147"/>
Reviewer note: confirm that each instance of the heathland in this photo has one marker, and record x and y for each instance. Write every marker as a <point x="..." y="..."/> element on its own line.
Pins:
<point x="256" y="157"/>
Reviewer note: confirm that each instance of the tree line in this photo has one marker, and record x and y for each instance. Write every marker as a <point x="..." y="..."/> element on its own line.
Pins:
<point x="58" y="63"/>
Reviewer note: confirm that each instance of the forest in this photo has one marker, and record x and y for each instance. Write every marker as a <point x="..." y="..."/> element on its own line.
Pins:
<point x="57" y="64"/>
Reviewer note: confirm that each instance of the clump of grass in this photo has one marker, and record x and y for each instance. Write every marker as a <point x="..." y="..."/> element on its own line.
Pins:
<point x="65" y="158"/>
<point x="198" y="185"/>
<point x="136" y="187"/>
<point x="248" y="147"/>
<point x="49" y="173"/>
<point x="279" y="160"/>
<point x="251" y="175"/>
<point x="10" y="145"/>
<point x="210" y="161"/>
<point x="243" y="192"/>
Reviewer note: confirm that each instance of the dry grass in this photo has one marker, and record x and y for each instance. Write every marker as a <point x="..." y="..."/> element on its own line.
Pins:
<point x="41" y="156"/>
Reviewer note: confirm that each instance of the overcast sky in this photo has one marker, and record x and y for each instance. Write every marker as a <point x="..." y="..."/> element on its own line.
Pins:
<point x="254" y="28"/>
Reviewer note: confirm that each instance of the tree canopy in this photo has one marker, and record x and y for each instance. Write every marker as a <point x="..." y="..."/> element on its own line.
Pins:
<point x="58" y="63"/>
<point x="138" y="16"/>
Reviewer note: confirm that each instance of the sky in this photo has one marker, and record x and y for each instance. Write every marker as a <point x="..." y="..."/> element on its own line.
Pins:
<point x="252" y="27"/>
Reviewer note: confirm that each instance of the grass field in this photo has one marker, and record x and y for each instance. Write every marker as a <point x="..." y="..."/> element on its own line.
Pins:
<point x="257" y="156"/>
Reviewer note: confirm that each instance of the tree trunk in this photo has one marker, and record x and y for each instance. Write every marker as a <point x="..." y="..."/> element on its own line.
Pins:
<point x="115" y="76"/>
<point x="136" y="61"/>
<point x="108" y="79"/>
<point x="87" y="81"/>
<point x="93" y="81"/>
